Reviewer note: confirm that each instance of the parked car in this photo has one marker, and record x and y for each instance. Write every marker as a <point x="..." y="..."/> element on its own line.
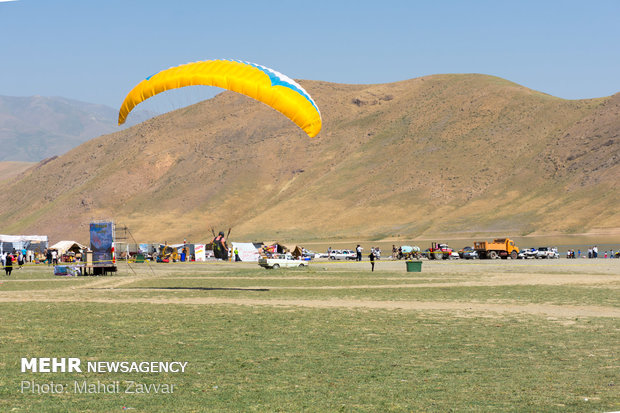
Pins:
<point x="468" y="253"/>
<point x="310" y="255"/>
<point x="343" y="255"/>
<point x="281" y="260"/>
<point x="546" y="252"/>
<point x="528" y="253"/>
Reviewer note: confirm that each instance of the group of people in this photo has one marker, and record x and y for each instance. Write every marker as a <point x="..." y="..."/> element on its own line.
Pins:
<point x="23" y="256"/>
<point x="375" y="252"/>
<point x="592" y="253"/>
<point x="8" y="259"/>
<point x="51" y="256"/>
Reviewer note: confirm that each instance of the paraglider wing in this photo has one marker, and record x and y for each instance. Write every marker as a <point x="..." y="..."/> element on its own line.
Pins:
<point x="256" y="81"/>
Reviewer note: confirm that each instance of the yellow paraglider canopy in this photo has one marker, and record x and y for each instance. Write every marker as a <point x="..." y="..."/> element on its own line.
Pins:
<point x="256" y="81"/>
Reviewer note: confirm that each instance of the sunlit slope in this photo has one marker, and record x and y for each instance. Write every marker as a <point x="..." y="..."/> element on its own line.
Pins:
<point x="444" y="154"/>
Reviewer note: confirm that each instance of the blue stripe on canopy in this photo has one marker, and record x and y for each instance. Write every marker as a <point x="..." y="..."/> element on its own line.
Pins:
<point x="276" y="79"/>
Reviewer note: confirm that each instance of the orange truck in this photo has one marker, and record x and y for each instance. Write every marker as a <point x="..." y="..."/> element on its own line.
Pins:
<point x="499" y="248"/>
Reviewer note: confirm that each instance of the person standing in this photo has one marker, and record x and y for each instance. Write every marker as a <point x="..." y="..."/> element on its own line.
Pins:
<point x="359" y="252"/>
<point x="371" y="257"/>
<point x="236" y="252"/>
<point x="220" y="249"/>
<point x="8" y="265"/>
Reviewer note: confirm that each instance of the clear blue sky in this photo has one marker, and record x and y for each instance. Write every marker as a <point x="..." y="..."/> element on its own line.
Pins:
<point x="96" y="51"/>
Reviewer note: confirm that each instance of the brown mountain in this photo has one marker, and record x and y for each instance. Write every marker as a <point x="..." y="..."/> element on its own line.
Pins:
<point x="439" y="155"/>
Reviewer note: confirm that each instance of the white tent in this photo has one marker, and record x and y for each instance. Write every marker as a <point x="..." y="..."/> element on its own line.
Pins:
<point x="247" y="251"/>
<point x="64" y="246"/>
<point x="23" y="238"/>
<point x="31" y="242"/>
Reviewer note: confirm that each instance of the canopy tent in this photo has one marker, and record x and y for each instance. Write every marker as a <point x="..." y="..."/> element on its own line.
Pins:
<point x="37" y="243"/>
<point x="297" y="252"/>
<point x="275" y="247"/>
<point x="68" y="246"/>
<point x="23" y="238"/>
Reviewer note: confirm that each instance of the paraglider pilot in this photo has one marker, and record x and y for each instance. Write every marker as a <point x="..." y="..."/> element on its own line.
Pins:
<point x="220" y="249"/>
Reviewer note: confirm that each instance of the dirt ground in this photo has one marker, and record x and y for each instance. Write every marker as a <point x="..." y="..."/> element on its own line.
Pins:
<point x="584" y="273"/>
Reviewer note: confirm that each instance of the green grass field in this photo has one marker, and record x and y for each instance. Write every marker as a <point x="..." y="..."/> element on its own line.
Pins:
<point x="485" y="336"/>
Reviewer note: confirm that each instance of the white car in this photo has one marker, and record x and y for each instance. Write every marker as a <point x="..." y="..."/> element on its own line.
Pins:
<point x="545" y="252"/>
<point x="281" y="260"/>
<point x="343" y="255"/>
<point x="528" y="253"/>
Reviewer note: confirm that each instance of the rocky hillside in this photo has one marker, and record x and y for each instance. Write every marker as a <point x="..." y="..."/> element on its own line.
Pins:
<point x="439" y="155"/>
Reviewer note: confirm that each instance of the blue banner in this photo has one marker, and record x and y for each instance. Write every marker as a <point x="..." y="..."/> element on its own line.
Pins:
<point x="101" y="241"/>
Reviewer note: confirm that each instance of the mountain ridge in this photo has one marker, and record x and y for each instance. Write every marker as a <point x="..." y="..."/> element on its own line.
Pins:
<point x="437" y="155"/>
<point x="37" y="127"/>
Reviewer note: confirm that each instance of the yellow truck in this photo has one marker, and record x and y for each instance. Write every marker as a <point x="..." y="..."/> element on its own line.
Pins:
<point x="499" y="248"/>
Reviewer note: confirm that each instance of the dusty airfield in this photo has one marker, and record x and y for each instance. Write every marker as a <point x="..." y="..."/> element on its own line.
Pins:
<point x="590" y="274"/>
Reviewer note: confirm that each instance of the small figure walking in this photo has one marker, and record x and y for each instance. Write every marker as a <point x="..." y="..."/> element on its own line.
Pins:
<point x="371" y="257"/>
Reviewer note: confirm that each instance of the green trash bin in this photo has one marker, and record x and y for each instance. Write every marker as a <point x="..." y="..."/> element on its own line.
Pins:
<point x="414" y="266"/>
<point x="140" y="258"/>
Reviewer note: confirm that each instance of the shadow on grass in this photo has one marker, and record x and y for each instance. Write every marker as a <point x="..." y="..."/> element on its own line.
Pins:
<point x="198" y="288"/>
